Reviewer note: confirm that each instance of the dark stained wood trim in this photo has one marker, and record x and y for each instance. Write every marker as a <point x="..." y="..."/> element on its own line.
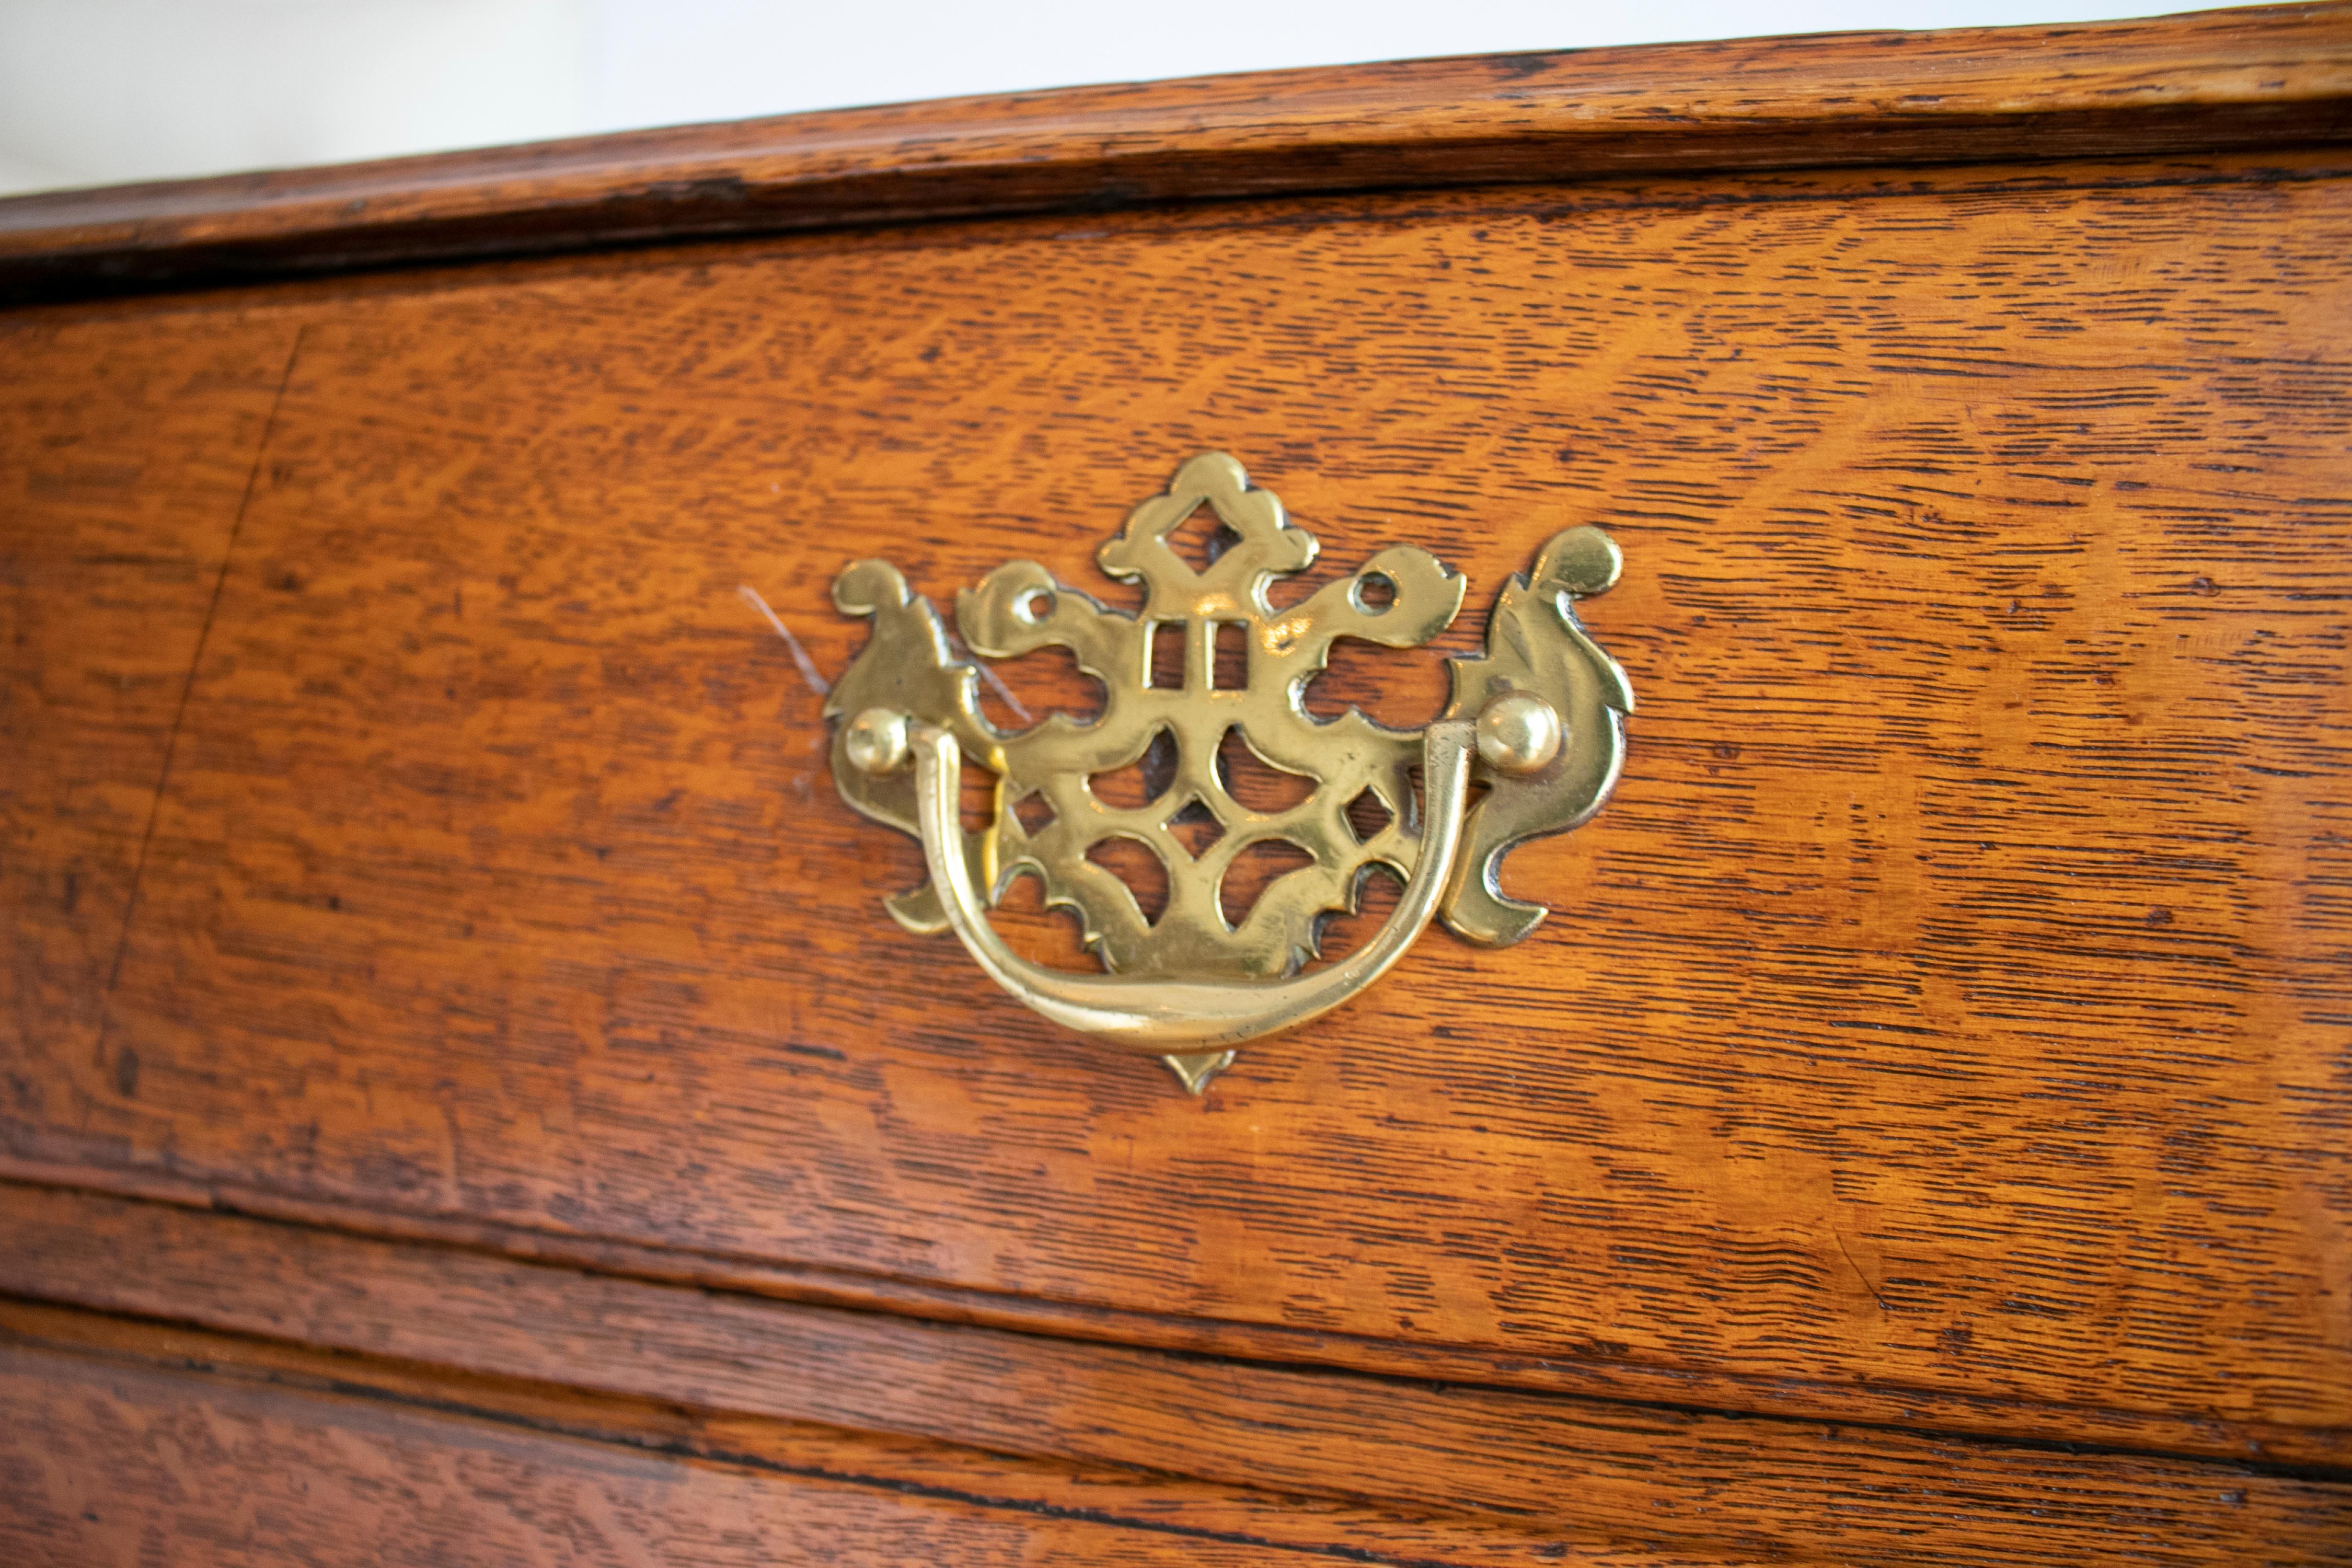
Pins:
<point x="2202" y="82"/>
<point x="41" y="1226"/>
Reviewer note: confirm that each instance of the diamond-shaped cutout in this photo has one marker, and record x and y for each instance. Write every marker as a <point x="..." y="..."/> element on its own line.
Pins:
<point x="1033" y="812"/>
<point x="1368" y="816"/>
<point x="1195" y="827"/>
<point x="1200" y="538"/>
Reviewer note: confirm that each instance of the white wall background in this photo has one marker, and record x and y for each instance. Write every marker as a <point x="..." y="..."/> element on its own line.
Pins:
<point x="97" y="91"/>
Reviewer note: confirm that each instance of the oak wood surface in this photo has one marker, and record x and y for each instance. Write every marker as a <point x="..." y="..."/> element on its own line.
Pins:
<point x="2194" y="83"/>
<point x="121" y="1463"/>
<point x="1957" y="1411"/>
<point x="1172" y="1508"/>
<point x="1700" y="1481"/>
<point x="125" y="461"/>
<point x="1952" y="1000"/>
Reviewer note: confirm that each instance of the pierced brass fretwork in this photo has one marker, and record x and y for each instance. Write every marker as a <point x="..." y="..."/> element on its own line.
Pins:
<point x="1537" y="719"/>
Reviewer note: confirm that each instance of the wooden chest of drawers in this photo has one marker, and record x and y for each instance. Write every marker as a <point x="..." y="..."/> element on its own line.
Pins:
<point x="464" y="1100"/>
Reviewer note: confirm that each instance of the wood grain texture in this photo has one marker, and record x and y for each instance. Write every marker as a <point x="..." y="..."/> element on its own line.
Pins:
<point x="1174" y="1509"/>
<point x="108" y="1463"/>
<point x="1553" y="1468"/>
<point x="1957" y="1411"/>
<point x="123" y="463"/>
<point x="1952" y="1000"/>
<point x="2196" y="83"/>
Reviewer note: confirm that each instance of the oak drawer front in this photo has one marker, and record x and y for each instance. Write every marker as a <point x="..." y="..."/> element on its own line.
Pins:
<point x="1951" y="1000"/>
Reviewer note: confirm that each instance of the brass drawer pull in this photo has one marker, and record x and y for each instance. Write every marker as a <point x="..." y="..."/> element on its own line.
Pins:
<point x="1539" y="717"/>
<point x="1184" y="1016"/>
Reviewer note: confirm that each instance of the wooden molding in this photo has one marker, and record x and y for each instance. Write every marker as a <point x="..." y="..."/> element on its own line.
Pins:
<point x="46" y="1227"/>
<point x="1635" y="1472"/>
<point x="2207" y="81"/>
<point x="494" y="1473"/>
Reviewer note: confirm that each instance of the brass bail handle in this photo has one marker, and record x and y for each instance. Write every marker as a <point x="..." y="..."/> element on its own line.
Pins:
<point x="1537" y="719"/>
<point x="1161" y="1016"/>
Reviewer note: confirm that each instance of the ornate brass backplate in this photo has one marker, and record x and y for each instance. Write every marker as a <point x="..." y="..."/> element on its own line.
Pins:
<point x="1537" y="720"/>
